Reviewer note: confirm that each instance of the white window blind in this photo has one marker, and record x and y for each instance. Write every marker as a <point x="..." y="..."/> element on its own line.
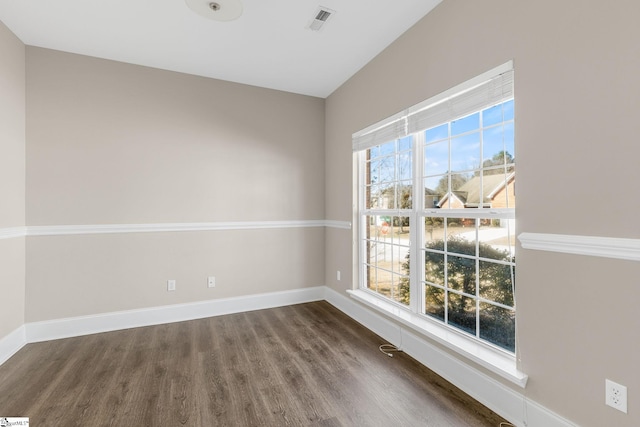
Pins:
<point x="494" y="91"/>
<point x="492" y="87"/>
<point x="386" y="132"/>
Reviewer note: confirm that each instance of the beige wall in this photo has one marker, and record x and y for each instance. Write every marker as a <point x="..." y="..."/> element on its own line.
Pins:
<point x="113" y="143"/>
<point x="12" y="181"/>
<point x="12" y="129"/>
<point x="72" y="276"/>
<point x="577" y="94"/>
<point x="117" y="143"/>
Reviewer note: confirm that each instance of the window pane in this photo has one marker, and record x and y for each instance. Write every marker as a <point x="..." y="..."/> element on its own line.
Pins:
<point x="465" y="191"/>
<point x="498" y="326"/>
<point x="434" y="268"/>
<point x="386" y="149"/>
<point x="436" y="133"/>
<point x="386" y="247"/>
<point x="370" y="255"/>
<point x="405" y="143"/>
<point x="492" y="115"/>
<point x="400" y="289"/>
<point x="434" y="302"/>
<point x="498" y="188"/>
<point x="372" y="280"/>
<point x="454" y="197"/>
<point x="496" y="282"/>
<point x="461" y="236"/>
<point x="373" y="197"/>
<point x="431" y="198"/>
<point x="389" y="197"/>
<point x="509" y="139"/>
<point x="393" y="287"/>
<point x="435" y="188"/>
<point x="434" y="233"/>
<point x="465" y="124"/>
<point x="465" y="152"/>
<point x="493" y="147"/>
<point x="401" y="229"/>
<point x="373" y="226"/>
<point x="405" y="195"/>
<point x="393" y="196"/>
<point x="389" y="175"/>
<point x="462" y="312"/>
<point x="384" y="283"/>
<point x="494" y="188"/>
<point x="498" y="145"/>
<point x="497" y="238"/>
<point x="403" y="295"/>
<point x="508" y="110"/>
<point x="373" y="172"/>
<point x="405" y="166"/>
<point x="386" y="169"/>
<point x="461" y="274"/>
<point x="436" y="158"/>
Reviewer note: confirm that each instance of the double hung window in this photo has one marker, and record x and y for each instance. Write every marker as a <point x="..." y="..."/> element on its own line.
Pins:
<point x="436" y="209"/>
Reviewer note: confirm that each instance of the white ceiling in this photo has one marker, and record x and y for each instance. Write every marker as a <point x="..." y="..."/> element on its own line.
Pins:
<point x="268" y="46"/>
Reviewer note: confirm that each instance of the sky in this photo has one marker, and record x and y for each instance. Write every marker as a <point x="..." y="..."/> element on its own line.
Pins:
<point x="463" y="137"/>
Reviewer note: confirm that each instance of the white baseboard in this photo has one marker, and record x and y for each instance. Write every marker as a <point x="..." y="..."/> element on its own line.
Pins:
<point x="86" y="325"/>
<point x="10" y="344"/>
<point x="505" y="401"/>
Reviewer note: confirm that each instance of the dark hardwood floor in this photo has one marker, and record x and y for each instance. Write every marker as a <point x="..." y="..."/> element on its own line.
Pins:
<point x="302" y="365"/>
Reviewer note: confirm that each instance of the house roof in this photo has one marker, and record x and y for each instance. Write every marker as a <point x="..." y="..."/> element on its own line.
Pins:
<point x="470" y="192"/>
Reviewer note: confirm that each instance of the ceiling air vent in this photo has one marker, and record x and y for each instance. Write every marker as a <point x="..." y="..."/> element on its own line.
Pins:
<point x="323" y="14"/>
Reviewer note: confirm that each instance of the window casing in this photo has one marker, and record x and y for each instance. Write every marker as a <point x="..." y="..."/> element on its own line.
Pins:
<point x="443" y="197"/>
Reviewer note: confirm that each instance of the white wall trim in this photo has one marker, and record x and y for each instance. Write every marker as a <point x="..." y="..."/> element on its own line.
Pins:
<point x="504" y="400"/>
<point x="86" y="325"/>
<point x="64" y="230"/>
<point x="608" y="247"/>
<point x="344" y="225"/>
<point x="10" y="344"/>
<point x="61" y="230"/>
<point x="12" y="232"/>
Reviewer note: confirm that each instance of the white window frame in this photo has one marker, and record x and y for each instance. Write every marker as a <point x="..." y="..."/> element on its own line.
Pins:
<point x="491" y="357"/>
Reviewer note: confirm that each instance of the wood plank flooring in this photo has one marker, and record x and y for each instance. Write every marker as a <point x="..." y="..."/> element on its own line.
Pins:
<point x="302" y="365"/>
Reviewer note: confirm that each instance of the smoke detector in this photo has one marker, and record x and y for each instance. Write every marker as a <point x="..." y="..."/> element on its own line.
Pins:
<point x="218" y="10"/>
<point x="323" y="14"/>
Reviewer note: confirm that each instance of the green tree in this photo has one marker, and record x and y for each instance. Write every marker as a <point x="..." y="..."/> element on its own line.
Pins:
<point x="457" y="181"/>
<point x="501" y="158"/>
<point x="497" y="324"/>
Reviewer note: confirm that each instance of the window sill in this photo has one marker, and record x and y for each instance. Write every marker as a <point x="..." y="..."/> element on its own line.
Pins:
<point x="495" y="360"/>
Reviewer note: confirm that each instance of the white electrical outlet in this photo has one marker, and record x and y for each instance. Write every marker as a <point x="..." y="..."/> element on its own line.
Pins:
<point x="338" y="275"/>
<point x="171" y="285"/>
<point x="616" y="395"/>
<point x="211" y="282"/>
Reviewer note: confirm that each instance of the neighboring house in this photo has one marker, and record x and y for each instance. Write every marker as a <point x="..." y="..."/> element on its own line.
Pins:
<point x="494" y="190"/>
<point x="405" y="201"/>
<point x="431" y="198"/>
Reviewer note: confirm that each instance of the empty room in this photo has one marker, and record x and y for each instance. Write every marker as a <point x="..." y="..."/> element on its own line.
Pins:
<point x="319" y="213"/>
